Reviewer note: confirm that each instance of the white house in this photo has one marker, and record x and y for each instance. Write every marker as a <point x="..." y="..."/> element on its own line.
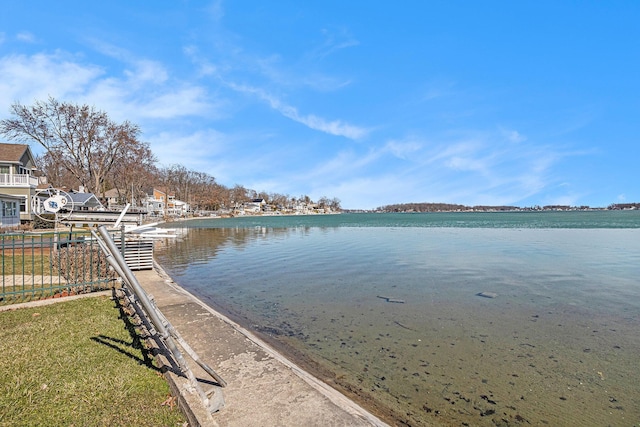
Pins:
<point x="254" y="206"/>
<point x="180" y="208"/>
<point x="160" y="203"/>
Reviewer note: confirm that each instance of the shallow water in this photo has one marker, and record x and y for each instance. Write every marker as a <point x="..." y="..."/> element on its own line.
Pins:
<point x="558" y="345"/>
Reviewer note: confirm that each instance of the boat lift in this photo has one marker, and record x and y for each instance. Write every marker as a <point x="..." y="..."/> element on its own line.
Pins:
<point x="158" y="325"/>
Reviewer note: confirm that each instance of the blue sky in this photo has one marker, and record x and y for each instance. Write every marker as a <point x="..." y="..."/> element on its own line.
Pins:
<point x="377" y="102"/>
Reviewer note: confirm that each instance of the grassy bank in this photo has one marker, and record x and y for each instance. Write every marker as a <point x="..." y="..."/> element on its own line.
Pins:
<point x="75" y="363"/>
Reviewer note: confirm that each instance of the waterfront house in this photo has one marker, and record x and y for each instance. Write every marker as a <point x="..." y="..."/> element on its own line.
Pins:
<point x="17" y="177"/>
<point x="161" y="203"/>
<point x="180" y="208"/>
<point x="155" y="202"/>
<point x="81" y="201"/>
<point x="113" y="199"/>
<point x="254" y="206"/>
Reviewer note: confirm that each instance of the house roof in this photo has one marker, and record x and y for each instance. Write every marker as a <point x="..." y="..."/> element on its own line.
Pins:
<point x="12" y="152"/>
<point x="112" y="193"/>
<point x="83" y="199"/>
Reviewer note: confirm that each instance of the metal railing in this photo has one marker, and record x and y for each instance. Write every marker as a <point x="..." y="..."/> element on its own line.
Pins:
<point x="18" y="180"/>
<point x="49" y="265"/>
<point x="157" y="324"/>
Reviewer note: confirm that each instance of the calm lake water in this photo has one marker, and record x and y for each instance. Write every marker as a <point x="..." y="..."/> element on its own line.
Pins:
<point x="386" y="308"/>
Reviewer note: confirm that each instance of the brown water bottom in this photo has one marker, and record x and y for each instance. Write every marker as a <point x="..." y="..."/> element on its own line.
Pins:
<point x="469" y="364"/>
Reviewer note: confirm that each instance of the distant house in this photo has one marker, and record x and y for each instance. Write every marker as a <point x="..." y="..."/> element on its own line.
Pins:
<point x="161" y="203"/>
<point x="181" y="208"/>
<point x="79" y="201"/>
<point x="17" y="168"/>
<point x="10" y="210"/>
<point x="301" y="208"/>
<point x="254" y="206"/>
<point x="113" y="199"/>
<point x="155" y="202"/>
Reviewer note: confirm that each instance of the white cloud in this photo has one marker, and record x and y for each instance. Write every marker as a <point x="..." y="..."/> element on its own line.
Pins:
<point x="446" y="151"/>
<point x="344" y="164"/>
<point x="467" y="164"/>
<point x="143" y="91"/>
<point x="333" y="42"/>
<point x="29" y="78"/>
<point x="513" y="136"/>
<point x="477" y="168"/>
<point x="146" y="71"/>
<point x="26" y="37"/>
<point x="205" y="68"/>
<point x="403" y="149"/>
<point x="335" y="127"/>
<point x="169" y="147"/>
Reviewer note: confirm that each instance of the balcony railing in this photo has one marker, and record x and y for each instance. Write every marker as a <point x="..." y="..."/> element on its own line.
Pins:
<point x="17" y="180"/>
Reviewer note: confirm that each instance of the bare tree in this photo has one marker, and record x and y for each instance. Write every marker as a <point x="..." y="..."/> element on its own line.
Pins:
<point x="207" y="193"/>
<point x="56" y="175"/>
<point x="323" y="202"/>
<point x="239" y="194"/>
<point x="335" y="204"/>
<point x="81" y="139"/>
<point x="133" y="172"/>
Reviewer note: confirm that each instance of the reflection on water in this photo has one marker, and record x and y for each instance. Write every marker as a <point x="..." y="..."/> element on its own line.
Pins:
<point x="558" y="345"/>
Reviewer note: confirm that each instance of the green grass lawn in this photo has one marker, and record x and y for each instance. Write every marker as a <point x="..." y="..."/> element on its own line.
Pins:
<point x="36" y="264"/>
<point x="75" y="364"/>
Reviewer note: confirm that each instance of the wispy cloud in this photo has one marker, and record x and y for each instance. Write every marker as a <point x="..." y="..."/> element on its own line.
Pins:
<point x="344" y="164"/>
<point x="204" y="67"/>
<point x="26" y="37"/>
<point x="334" y="127"/>
<point x="139" y="70"/>
<point x="334" y="40"/>
<point x="476" y="168"/>
<point x="512" y="135"/>
<point x="145" y="71"/>
<point x="403" y="149"/>
<point x="437" y="89"/>
<point x="215" y="10"/>
<point x="168" y="145"/>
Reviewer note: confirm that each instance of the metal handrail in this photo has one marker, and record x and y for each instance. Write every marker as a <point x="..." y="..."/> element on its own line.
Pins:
<point x="165" y="330"/>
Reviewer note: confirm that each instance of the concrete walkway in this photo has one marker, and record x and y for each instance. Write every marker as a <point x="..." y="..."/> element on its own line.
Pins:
<point x="263" y="388"/>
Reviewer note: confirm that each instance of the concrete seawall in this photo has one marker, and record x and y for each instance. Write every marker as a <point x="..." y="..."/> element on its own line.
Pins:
<point x="263" y="387"/>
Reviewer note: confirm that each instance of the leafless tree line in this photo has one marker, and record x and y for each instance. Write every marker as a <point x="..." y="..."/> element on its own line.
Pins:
<point x="84" y="147"/>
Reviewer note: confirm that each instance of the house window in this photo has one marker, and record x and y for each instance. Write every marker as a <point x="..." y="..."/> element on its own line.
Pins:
<point x="9" y="209"/>
<point x="23" y="204"/>
<point x="4" y="169"/>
